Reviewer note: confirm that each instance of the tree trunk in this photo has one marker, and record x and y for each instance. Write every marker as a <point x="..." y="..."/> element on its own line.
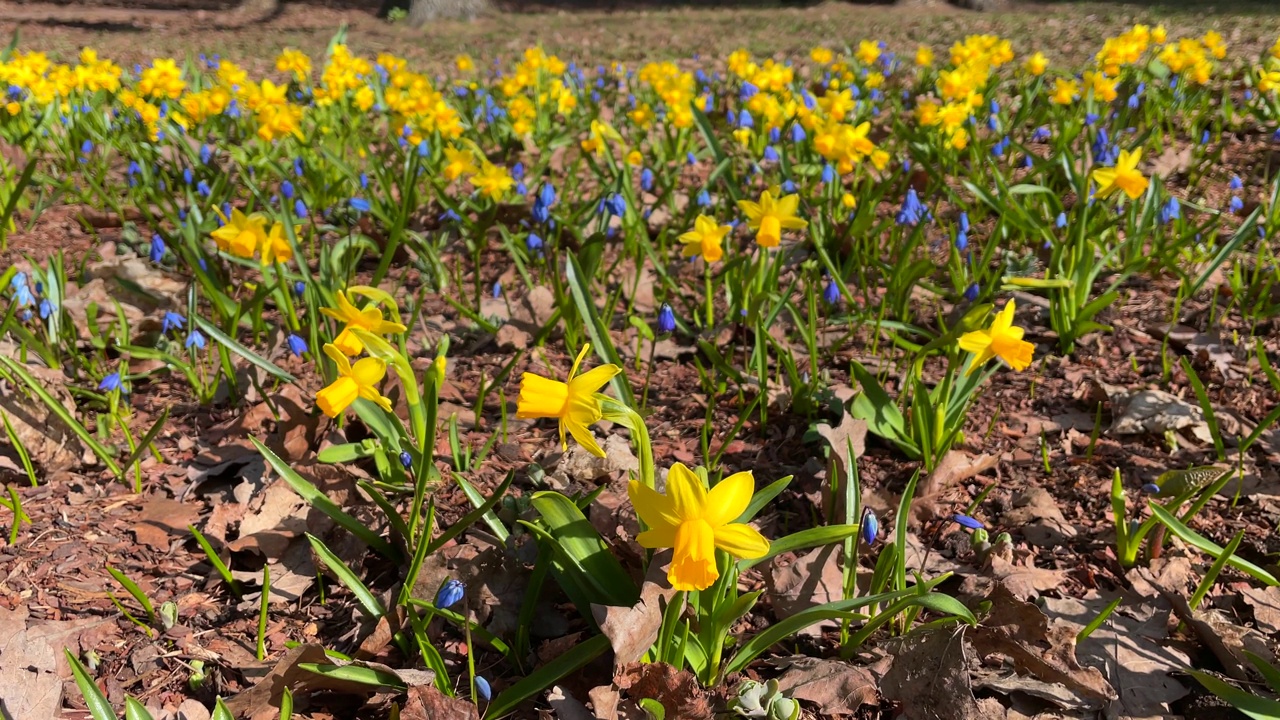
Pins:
<point x="424" y="11"/>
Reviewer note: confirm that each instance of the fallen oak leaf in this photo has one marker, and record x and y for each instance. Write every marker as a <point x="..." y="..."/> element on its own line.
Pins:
<point x="632" y="631"/>
<point x="835" y="686"/>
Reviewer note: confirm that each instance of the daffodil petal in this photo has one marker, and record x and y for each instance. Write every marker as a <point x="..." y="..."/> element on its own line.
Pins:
<point x="975" y="342"/>
<point x="729" y="498"/>
<point x="654" y="508"/>
<point x="592" y="380"/>
<point x="741" y="541"/>
<point x="541" y="397"/>
<point x="368" y="371"/>
<point x="687" y="494"/>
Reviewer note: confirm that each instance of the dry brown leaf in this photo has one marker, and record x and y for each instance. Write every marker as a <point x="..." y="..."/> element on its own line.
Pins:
<point x="1023" y="578"/>
<point x="632" y="631"/>
<point x="1136" y="656"/>
<point x="810" y="580"/>
<point x="427" y="703"/>
<point x="52" y="445"/>
<point x="1265" y="604"/>
<point x="285" y="672"/>
<point x="163" y="519"/>
<point x="678" y="691"/>
<point x="835" y="686"/>
<point x="930" y="679"/>
<point x="32" y="665"/>
<point x="1021" y="632"/>
<point x="1036" y="513"/>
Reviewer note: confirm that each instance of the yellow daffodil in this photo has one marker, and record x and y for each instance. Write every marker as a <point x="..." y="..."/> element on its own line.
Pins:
<point x="241" y="235"/>
<point x="1124" y="176"/>
<point x="705" y="239"/>
<point x="1064" y="91"/>
<point x="354" y="381"/>
<point x="575" y="403"/>
<point x="771" y="216"/>
<point x="369" y="319"/>
<point x="1003" y="340"/>
<point x="924" y="56"/>
<point x="276" y="246"/>
<point x="492" y="181"/>
<point x="1037" y="64"/>
<point x="695" y="522"/>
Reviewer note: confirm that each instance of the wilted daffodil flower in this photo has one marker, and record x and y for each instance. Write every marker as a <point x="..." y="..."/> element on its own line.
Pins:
<point x="576" y="403"/>
<point x="354" y="381"/>
<point x="1002" y="340"/>
<point x="370" y="319"/>
<point x="695" y="522"/>
<point x="241" y="234"/>
<point x="771" y="216"/>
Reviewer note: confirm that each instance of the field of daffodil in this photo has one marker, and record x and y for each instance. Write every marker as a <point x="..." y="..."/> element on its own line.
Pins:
<point x="884" y="381"/>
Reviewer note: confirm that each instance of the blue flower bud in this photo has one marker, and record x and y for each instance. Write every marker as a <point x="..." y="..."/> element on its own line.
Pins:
<point x="870" y="528"/>
<point x="828" y="174"/>
<point x="1236" y="183"/>
<point x="1236" y="204"/>
<point x="406" y="460"/>
<point x="831" y="293"/>
<point x="962" y="240"/>
<point x="450" y="593"/>
<point x="745" y="120"/>
<point x="533" y="242"/>
<point x="703" y="199"/>
<point x="423" y="148"/>
<point x="770" y="154"/>
<point x="86" y="147"/>
<point x="788" y="186"/>
<point x="364" y="181"/>
<point x="964" y="222"/>
<point x="666" y="320"/>
<point x="968" y="522"/>
<point x="692" y="160"/>
<point x="646" y="179"/>
<point x="203" y="189"/>
<point x="1151" y="488"/>
<point x="300" y="209"/>
<point x="286" y="190"/>
<point x="797" y="133"/>
<point x="497" y="289"/>
<point x="483" y="689"/>
<point x="206" y="153"/>
<point x="360" y="204"/>
<point x="1061" y="222"/>
<point x="157" y="248"/>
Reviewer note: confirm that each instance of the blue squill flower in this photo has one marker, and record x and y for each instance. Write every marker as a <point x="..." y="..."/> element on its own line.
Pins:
<point x="788" y="186"/>
<point x="406" y="460"/>
<point x="1236" y="204"/>
<point x="21" y="290"/>
<point x="971" y="293"/>
<point x="775" y="134"/>
<point x="203" y="189"/>
<point x="157" y="248"/>
<point x="359" y="204"/>
<point x="646" y="180"/>
<point x="111" y="382"/>
<point x="962" y="241"/>
<point x="693" y="160"/>
<point x="831" y="293"/>
<point x="828" y="174"/>
<point x="747" y="92"/>
<point x="195" y="340"/>
<point x="1041" y="134"/>
<point x="297" y="345"/>
<point x="286" y="190"/>
<point x="46" y="308"/>
<point x="913" y="211"/>
<point x="967" y="522"/>
<point x="1236" y="183"/>
<point x="616" y="204"/>
<point x="870" y="528"/>
<point x="964" y="222"/>
<point x="703" y="199"/>
<point x="745" y="120"/>
<point x="1151" y="488"/>
<point x="1170" y="211"/>
<point x="770" y="154"/>
<point x="1061" y="222"/>
<point x="483" y="689"/>
<point x="450" y="593"/>
<point x="206" y="153"/>
<point x="424" y="149"/>
<point x="172" y="321"/>
<point x="666" y="320"/>
<point x="300" y="209"/>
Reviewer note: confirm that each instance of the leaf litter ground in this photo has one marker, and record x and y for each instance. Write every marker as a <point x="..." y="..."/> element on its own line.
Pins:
<point x="1051" y="492"/>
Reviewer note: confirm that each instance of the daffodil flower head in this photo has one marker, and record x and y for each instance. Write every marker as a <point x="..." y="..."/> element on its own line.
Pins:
<point x="772" y="215"/>
<point x="695" y="522"/>
<point x="1124" y="176"/>
<point x="705" y="239"/>
<point x="354" y="381"/>
<point x="576" y="403"/>
<point x="241" y="235"/>
<point x="1002" y="340"/>
<point x="370" y="319"/>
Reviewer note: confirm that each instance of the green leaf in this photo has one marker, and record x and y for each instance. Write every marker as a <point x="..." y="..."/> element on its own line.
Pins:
<point x="812" y="537"/>
<point x="97" y="703"/>
<point x="544" y="677"/>
<point x="368" y="601"/>
<point x="220" y="711"/>
<point x="1268" y="671"/>
<point x="587" y="554"/>
<point x="321" y="502"/>
<point x="344" y="453"/>
<point x="1198" y="541"/>
<point x="1255" y="707"/>
<point x="58" y="409"/>
<point x="135" y="591"/>
<point x="134" y="710"/>
<point x="881" y="414"/>
<point x="356" y="674"/>
<point x="579" y="288"/>
<point x="213" y="331"/>
<point x="781" y="630"/>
